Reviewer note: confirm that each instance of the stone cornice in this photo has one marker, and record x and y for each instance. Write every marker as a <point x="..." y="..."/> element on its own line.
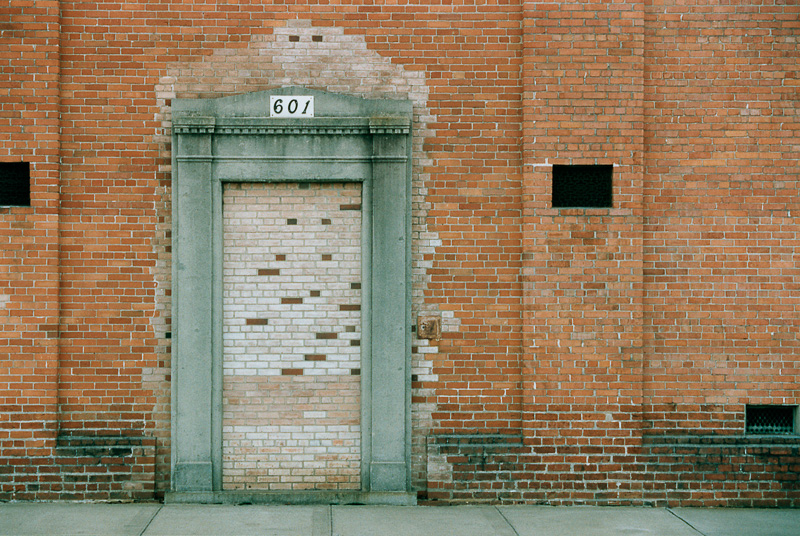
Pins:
<point x="326" y="126"/>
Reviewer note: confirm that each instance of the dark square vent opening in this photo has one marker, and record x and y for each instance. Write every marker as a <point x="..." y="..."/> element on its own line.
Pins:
<point x="582" y="186"/>
<point x="770" y="419"/>
<point x="15" y="184"/>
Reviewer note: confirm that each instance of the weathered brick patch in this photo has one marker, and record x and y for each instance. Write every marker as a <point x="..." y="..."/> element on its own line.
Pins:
<point x="721" y="471"/>
<point x="666" y="470"/>
<point x="474" y="468"/>
<point x="80" y="467"/>
<point x="105" y="467"/>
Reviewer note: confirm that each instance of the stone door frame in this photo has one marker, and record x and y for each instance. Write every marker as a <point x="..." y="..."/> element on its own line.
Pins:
<point x="233" y="139"/>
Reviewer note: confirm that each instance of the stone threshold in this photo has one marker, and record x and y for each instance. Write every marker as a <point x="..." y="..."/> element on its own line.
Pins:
<point x="390" y="498"/>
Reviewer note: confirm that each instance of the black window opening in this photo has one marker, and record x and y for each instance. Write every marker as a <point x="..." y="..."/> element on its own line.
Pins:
<point x="769" y="420"/>
<point x="582" y="186"/>
<point x="15" y="184"/>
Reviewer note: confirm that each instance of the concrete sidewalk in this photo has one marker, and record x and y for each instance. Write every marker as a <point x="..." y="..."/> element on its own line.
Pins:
<point x="55" y="519"/>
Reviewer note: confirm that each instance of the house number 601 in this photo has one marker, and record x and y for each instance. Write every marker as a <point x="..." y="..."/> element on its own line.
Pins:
<point x="290" y="106"/>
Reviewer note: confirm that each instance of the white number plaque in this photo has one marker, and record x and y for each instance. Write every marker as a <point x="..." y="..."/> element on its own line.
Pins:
<point x="291" y="106"/>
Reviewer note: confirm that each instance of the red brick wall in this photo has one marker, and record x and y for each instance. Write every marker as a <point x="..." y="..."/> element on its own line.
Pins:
<point x="29" y="246"/>
<point x="722" y="300"/>
<point x="471" y="52"/>
<point x="591" y="345"/>
<point x="583" y="267"/>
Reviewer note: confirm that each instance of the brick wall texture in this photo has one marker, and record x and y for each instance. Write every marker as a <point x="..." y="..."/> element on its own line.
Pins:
<point x="597" y="356"/>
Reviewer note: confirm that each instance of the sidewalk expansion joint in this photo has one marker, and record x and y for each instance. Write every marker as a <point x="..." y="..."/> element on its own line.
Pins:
<point x="147" y="526"/>
<point x="506" y="520"/>
<point x="686" y="522"/>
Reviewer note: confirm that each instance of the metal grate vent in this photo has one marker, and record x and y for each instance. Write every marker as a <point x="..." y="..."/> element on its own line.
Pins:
<point x="770" y="419"/>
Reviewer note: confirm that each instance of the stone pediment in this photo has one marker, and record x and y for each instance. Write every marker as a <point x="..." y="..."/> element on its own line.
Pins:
<point x="257" y="105"/>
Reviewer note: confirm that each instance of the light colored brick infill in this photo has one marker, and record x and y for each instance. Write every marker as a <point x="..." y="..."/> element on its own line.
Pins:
<point x="292" y="315"/>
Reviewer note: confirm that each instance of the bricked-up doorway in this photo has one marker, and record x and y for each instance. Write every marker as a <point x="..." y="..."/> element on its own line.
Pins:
<point x="291" y="412"/>
<point x="228" y="150"/>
